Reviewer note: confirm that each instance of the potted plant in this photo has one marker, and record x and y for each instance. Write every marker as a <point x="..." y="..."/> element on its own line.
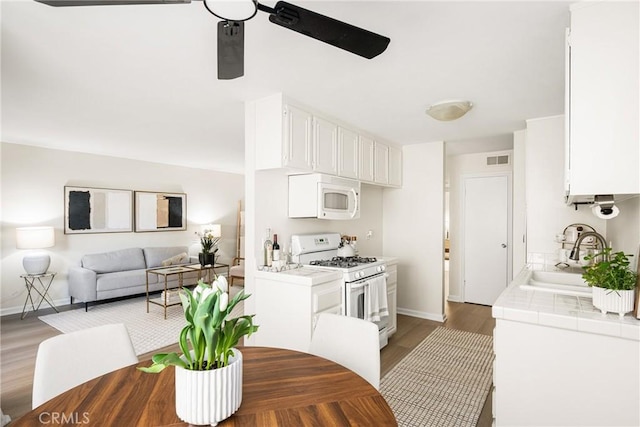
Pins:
<point x="612" y="280"/>
<point x="209" y="371"/>
<point x="207" y="243"/>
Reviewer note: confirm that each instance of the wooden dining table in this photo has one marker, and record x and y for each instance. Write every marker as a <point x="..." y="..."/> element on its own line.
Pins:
<point x="280" y="388"/>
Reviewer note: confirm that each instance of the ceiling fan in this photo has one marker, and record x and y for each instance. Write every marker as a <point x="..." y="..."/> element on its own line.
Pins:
<point x="231" y="28"/>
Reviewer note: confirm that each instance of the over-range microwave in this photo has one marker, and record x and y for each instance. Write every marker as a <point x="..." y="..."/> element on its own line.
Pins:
<point x="323" y="196"/>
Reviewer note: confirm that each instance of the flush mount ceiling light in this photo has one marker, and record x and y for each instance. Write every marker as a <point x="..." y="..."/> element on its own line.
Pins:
<point x="449" y="110"/>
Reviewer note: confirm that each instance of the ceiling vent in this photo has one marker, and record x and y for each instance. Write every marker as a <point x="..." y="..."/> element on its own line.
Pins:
<point x="498" y="160"/>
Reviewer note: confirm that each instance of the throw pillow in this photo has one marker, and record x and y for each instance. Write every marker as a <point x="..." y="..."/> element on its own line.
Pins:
<point x="176" y="259"/>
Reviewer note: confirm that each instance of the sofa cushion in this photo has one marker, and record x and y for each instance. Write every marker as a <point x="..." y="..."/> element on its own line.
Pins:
<point x="108" y="262"/>
<point x="123" y="279"/>
<point x="155" y="256"/>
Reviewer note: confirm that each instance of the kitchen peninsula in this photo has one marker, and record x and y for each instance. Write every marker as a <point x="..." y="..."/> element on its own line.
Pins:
<point x="559" y="361"/>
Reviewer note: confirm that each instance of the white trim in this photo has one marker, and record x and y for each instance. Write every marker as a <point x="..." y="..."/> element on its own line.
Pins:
<point x="422" y="314"/>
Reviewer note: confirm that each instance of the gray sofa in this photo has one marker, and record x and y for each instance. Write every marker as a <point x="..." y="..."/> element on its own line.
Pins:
<point x="123" y="273"/>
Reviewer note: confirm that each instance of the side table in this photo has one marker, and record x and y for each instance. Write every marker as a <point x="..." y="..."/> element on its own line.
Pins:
<point x="32" y="281"/>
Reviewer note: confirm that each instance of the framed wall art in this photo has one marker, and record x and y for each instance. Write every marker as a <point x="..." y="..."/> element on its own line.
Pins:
<point x="160" y="211"/>
<point x="97" y="210"/>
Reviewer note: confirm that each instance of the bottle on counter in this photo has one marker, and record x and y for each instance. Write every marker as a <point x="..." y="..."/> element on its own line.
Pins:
<point x="275" y="248"/>
<point x="354" y="244"/>
<point x="268" y="249"/>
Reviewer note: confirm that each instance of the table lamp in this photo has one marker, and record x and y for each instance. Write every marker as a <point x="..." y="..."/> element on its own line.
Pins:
<point x="35" y="238"/>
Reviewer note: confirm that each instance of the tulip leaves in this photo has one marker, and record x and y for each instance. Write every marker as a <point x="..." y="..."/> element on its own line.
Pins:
<point x="207" y="340"/>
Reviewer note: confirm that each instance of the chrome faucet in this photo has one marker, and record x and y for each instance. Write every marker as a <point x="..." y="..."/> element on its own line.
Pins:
<point x="575" y="251"/>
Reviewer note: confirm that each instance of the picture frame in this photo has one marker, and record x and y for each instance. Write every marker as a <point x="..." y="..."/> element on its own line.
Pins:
<point x="97" y="210"/>
<point x="160" y="211"/>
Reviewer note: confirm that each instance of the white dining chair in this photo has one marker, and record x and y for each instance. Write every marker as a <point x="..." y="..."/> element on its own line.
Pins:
<point x="68" y="360"/>
<point x="351" y="342"/>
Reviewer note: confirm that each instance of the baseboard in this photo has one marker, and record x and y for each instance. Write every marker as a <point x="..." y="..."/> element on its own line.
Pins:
<point x="455" y="298"/>
<point x="18" y="310"/>
<point x="422" y="314"/>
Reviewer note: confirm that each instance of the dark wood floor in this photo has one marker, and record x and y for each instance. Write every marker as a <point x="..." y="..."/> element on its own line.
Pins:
<point x="19" y="340"/>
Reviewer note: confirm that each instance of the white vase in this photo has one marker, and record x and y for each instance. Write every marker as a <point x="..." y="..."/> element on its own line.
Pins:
<point x="620" y="302"/>
<point x="207" y="397"/>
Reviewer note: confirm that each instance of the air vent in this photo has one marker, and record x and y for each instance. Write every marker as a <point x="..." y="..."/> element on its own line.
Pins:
<point x="498" y="160"/>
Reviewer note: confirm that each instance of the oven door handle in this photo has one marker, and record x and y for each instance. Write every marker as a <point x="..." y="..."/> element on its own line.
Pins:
<point x="359" y="285"/>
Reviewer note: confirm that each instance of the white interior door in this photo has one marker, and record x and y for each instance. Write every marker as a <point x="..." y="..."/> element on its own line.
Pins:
<point x="486" y="238"/>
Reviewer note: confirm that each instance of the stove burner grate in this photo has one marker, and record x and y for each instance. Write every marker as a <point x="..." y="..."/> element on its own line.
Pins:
<point x="343" y="262"/>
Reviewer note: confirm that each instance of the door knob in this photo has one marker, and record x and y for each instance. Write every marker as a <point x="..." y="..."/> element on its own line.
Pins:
<point x="504" y="245"/>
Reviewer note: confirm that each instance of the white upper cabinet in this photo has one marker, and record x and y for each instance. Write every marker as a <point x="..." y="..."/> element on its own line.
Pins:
<point x="297" y="138"/>
<point x="325" y="146"/>
<point x="604" y="149"/>
<point x="366" y="149"/>
<point x="347" y="153"/>
<point x="381" y="162"/>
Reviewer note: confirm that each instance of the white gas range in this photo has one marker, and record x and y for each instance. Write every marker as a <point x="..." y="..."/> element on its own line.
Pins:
<point x="364" y="278"/>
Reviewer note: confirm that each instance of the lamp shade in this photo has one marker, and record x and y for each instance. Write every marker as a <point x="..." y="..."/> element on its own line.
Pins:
<point x="34" y="237"/>
<point x="214" y="229"/>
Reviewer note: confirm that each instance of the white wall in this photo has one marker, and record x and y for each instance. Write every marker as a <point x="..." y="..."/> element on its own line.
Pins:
<point x="413" y="229"/>
<point x="457" y="166"/>
<point x="32" y="194"/>
<point x="547" y="212"/>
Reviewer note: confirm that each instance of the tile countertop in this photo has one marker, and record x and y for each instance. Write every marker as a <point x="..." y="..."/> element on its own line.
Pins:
<point x="560" y="311"/>
<point x="305" y="276"/>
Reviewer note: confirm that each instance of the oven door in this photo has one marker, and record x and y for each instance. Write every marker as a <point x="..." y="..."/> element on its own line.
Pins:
<point x="356" y="297"/>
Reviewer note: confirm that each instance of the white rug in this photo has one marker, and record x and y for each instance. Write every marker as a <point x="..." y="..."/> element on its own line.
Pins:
<point x="444" y="381"/>
<point x="148" y="331"/>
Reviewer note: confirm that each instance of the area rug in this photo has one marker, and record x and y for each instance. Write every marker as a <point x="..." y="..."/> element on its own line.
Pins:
<point x="444" y="381"/>
<point x="148" y="331"/>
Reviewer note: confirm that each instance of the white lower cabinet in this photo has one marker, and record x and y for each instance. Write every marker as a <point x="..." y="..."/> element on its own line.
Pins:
<point x="547" y="376"/>
<point x="288" y="303"/>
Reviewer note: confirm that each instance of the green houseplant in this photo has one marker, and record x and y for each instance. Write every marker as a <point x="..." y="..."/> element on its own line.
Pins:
<point x="612" y="280"/>
<point x="209" y="361"/>
<point x="208" y="244"/>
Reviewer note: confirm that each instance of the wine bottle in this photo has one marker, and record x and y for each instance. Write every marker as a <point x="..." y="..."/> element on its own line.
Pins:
<point x="268" y="249"/>
<point x="276" y="248"/>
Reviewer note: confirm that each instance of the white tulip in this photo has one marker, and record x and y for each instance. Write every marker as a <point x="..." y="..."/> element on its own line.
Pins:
<point x="221" y="284"/>
<point x="205" y="293"/>
<point x="224" y="301"/>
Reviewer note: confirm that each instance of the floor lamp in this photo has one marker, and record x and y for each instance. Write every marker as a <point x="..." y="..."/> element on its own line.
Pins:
<point x="35" y="238"/>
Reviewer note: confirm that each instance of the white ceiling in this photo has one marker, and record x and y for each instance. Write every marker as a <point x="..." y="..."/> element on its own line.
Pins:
<point x="140" y="81"/>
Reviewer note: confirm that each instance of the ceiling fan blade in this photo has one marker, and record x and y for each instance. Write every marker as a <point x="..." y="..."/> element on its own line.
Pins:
<point x="61" y="3"/>
<point x="336" y="33"/>
<point x="230" y="50"/>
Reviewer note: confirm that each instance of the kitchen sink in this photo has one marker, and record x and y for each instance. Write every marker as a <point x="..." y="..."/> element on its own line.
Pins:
<point x="557" y="282"/>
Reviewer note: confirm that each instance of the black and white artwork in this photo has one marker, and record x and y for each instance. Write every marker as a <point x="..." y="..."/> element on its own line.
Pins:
<point x="97" y="210"/>
<point x="160" y="211"/>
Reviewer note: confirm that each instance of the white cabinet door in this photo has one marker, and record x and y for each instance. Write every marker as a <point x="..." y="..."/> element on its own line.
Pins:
<point x="366" y="159"/>
<point x="297" y="138"/>
<point x="395" y="166"/>
<point x="604" y="92"/>
<point x="347" y="153"/>
<point x="381" y="171"/>
<point x="325" y="146"/>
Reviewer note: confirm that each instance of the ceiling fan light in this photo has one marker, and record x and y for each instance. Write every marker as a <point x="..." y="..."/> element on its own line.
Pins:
<point x="449" y="110"/>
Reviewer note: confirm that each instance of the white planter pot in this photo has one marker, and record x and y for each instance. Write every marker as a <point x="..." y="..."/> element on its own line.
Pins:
<point x="609" y="301"/>
<point x="207" y="397"/>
